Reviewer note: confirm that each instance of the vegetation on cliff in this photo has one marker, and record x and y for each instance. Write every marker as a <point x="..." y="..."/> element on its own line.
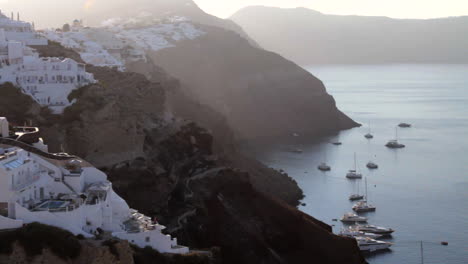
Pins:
<point x="35" y="237"/>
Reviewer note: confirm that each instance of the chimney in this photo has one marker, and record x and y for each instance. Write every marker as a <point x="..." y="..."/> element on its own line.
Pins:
<point x="18" y="16"/>
<point x="12" y="16"/>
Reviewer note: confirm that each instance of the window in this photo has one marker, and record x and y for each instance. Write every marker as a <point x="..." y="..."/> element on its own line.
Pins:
<point x="147" y="239"/>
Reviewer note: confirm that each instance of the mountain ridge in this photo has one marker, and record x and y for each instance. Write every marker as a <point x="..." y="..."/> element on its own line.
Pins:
<point x="310" y="37"/>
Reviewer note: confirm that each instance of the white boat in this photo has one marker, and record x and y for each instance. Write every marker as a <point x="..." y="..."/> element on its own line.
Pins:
<point x="375" y="229"/>
<point x="324" y="167"/>
<point x="371" y="245"/>
<point x="351" y="232"/>
<point x="363" y="206"/>
<point x="394" y="144"/>
<point x="353" y="174"/>
<point x="356" y="196"/>
<point x="352" y="218"/>
<point x="372" y="165"/>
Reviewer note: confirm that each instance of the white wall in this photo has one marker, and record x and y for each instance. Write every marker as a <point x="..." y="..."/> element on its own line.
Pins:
<point x="72" y="221"/>
<point x="157" y="240"/>
<point x="8" y="223"/>
<point x="4" y="130"/>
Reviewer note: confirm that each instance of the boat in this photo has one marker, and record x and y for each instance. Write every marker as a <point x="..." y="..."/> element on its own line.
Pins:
<point x="351" y="232"/>
<point x="337" y="143"/>
<point x="369" y="135"/>
<point x="353" y="174"/>
<point x="352" y="218"/>
<point x="404" y="125"/>
<point x="371" y="245"/>
<point x="356" y="197"/>
<point x="394" y="144"/>
<point x="372" y="165"/>
<point x="324" y="167"/>
<point x="375" y="229"/>
<point x="297" y="151"/>
<point x="363" y="206"/>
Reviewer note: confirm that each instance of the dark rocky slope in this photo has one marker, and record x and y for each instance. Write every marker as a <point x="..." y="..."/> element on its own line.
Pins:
<point x="310" y="37"/>
<point x="261" y="95"/>
<point x="193" y="188"/>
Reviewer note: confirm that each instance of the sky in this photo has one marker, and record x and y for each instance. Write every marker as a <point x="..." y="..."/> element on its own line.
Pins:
<point x="53" y="13"/>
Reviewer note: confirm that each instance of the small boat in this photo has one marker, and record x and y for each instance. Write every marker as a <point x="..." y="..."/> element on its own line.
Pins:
<point x="297" y="151"/>
<point x="351" y="232"/>
<point x="375" y="229"/>
<point x="324" y="167"/>
<point x="372" y="165"/>
<point x="371" y="245"/>
<point x="353" y="174"/>
<point x="352" y="218"/>
<point x="394" y="144"/>
<point x="356" y="197"/>
<point x="363" y="206"/>
<point x="404" y="125"/>
<point x="295" y="135"/>
<point x="337" y="143"/>
<point x="369" y="135"/>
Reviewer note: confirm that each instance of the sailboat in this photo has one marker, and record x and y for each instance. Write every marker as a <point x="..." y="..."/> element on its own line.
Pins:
<point x="323" y="166"/>
<point x="394" y="143"/>
<point x="369" y="135"/>
<point x="363" y="206"/>
<point x="352" y="174"/>
<point x="356" y="196"/>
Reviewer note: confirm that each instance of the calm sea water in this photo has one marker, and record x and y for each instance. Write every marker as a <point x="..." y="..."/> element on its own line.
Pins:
<point x="422" y="190"/>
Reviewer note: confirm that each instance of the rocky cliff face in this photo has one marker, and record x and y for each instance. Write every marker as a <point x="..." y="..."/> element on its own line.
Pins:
<point x="261" y="95"/>
<point x="178" y="172"/>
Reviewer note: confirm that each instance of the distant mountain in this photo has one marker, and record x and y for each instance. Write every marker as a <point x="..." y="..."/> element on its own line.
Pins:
<point x="310" y="37"/>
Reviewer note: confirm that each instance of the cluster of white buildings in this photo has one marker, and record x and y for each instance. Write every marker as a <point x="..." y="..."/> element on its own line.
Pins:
<point x="69" y="193"/>
<point x="49" y="81"/>
<point x="122" y="41"/>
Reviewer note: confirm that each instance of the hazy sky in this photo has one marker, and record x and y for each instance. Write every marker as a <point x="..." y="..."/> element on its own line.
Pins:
<point x="48" y="13"/>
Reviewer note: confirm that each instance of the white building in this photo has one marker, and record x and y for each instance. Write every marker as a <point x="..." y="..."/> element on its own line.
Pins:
<point x="69" y="193"/>
<point x="20" y="31"/>
<point x="48" y="80"/>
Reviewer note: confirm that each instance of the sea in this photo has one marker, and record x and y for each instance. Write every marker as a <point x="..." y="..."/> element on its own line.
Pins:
<point x="421" y="191"/>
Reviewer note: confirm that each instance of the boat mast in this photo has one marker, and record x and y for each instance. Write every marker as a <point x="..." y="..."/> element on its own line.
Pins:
<point x="422" y="253"/>
<point x="355" y="169"/>
<point x="366" y="188"/>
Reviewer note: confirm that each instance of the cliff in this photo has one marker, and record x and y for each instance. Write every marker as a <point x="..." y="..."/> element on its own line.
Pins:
<point x="310" y="37"/>
<point x="261" y="95"/>
<point x="37" y="243"/>
<point x="175" y="170"/>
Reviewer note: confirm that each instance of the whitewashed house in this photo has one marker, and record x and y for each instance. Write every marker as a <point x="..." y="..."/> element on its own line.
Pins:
<point x="69" y="193"/>
<point x="48" y="80"/>
<point x="20" y="31"/>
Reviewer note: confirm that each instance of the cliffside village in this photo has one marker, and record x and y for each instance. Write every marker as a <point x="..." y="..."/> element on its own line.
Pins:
<point x="59" y="189"/>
